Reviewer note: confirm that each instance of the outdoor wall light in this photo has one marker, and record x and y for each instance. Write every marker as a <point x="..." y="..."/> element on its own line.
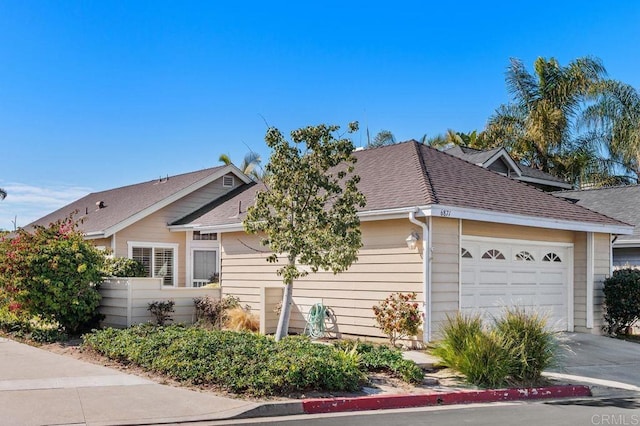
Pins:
<point x="412" y="240"/>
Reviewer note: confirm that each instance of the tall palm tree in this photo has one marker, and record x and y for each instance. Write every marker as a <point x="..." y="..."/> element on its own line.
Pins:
<point x="616" y="115"/>
<point x="249" y="164"/>
<point x="3" y="194"/>
<point x="383" y="137"/>
<point x="540" y="127"/>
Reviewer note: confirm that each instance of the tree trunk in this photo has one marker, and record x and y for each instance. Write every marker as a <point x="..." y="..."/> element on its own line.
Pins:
<point x="285" y="312"/>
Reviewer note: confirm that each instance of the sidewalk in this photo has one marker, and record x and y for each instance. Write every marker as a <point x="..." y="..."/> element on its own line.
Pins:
<point x="38" y="387"/>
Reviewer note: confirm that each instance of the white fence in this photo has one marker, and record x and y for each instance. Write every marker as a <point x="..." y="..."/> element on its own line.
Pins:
<point x="125" y="300"/>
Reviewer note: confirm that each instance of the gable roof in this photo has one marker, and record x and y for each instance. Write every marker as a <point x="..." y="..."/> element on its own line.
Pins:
<point x="621" y="202"/>
<point x="128" y="204"/>
<point x="409" y="175"/>
<point x="524" y="173"/>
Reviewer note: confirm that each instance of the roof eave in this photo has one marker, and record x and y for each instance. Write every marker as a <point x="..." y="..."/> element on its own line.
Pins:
<point x="545" y="182"/>
<point x="175" y="197"/>
<point x="502" y="153"/>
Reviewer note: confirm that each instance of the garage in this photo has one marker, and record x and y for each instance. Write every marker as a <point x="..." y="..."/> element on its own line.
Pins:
<point x="499" y="272"/>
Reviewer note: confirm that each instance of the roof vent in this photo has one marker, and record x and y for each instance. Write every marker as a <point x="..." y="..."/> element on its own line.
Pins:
<point x="100" y="205"/>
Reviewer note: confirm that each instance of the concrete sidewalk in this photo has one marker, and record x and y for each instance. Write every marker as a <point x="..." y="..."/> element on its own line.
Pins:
<point x="38" y="387"/>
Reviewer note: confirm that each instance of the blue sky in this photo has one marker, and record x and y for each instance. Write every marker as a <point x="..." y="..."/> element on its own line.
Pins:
<point x="100" y="94"/>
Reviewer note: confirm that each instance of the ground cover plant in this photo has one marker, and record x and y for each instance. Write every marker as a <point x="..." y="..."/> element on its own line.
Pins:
<point x="514" y="350"/>
<point x="243" y="362"/>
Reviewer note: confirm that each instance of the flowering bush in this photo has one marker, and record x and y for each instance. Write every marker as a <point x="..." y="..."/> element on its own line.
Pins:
<point x="51" y="272"/>
<point x="398" y="316"/>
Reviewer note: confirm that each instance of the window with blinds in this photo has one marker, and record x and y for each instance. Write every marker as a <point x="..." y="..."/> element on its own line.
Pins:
<point x="157" y="261"/>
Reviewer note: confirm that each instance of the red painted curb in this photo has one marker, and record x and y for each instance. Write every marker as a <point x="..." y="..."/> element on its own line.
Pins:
<point x="330" y="405"/>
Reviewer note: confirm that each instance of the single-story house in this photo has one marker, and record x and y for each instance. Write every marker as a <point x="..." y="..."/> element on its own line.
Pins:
<point x="499" y="160"/>
<point x="463" y="237"/>
<point x="622" y="203"/>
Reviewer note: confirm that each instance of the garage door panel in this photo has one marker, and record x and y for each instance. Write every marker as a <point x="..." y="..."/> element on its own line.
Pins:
<point x="521" y="279"/>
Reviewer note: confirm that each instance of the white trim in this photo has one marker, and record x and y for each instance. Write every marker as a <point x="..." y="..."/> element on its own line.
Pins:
<point x="502" y="153"/>
<point x="590" y="271"/>
<point x="570" y="290"/>
<point x="153" y="245"/>
<point x="459" y="265"/>
<point x="426" y="289"/>
<point x="545" y="182"/>
<point x="515" y="219"/>
<point x="626" y="244"/>
<point x="175" y="197"/>
<point x="516" y="241"/>
<point x="454" y="213"/>
<point x="114" y="245"/>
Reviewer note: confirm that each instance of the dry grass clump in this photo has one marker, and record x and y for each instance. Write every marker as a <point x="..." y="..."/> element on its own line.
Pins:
<point x="239" y="319"/>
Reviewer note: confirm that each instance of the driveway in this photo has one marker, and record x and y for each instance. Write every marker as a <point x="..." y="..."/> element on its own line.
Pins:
<point x="600" y="358"/>
<point x="38" y="387"/>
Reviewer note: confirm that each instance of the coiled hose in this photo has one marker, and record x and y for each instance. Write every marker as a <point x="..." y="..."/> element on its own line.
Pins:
<point x="315" y="327"/>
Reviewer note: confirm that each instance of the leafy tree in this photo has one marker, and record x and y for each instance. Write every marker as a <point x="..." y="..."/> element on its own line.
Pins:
<point x="617" y="115"/>
<point x="52" y="272"/>
<point x="472" y="140"/>
<point x="382" y="138"/>
<point x="249" y="165"/>
<point x="541" y="126"/>
<point x="307" y="212"/>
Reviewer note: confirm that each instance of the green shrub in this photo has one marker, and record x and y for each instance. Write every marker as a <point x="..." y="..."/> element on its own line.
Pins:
<point x="515" y="350"/>
<point x="161" y="310"/>
<point x="52" y="272"/>
<point x="19" y="324"/>
<point x="239" y="362"/>
<point x="398" y="316"/>
<point x="457" y="332"/>
<point x="212" y="312"/>
<point x="383" y="358"/>
<point x="622" y="301"/>
<point x="123" y="267"/>
<point x="531" y="347"/>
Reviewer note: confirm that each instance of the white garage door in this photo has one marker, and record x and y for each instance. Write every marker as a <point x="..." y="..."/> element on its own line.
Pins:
<point x="498" y="273"/>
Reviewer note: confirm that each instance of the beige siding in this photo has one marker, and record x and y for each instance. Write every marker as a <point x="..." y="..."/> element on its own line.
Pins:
<point x="385" y="265"/>
<point x="499" y="230"/>
<point x="602" y="269"/>
<point x="580" y="282"/>
<point x="102" y="242"/>
<point x="153" y="228"/>
<point x="444" y="271"/>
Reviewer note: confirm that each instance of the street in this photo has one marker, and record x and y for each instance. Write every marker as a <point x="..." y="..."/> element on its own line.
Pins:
<point x="607" y="411"/>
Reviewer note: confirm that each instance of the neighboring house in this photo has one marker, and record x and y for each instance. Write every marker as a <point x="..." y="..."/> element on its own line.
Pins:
<point x="132" y="221"/>
<point x="464" y="238"/>
<point x="622" y="203"/>
<point x="499" y="160"/>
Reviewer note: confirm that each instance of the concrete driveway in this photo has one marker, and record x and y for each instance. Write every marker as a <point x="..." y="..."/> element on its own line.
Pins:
<point x="604" y="360"/>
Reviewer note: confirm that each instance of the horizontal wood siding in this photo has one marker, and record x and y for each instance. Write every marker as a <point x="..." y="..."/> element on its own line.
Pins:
<point x="500" y="230"/>
<point x="580" y="282"/>
<point x="445" y="279"/>
<point x="602" y="270"/>
<point x="125" y="300"/>
<point x="385" y="265"/>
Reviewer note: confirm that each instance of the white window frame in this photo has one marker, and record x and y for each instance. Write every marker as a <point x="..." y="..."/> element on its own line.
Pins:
<point x="153" y="246"/>
<point x="200" y="245"/>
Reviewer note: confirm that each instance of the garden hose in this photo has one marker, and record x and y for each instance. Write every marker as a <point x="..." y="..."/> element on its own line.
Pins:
<point x="315" y="321"/>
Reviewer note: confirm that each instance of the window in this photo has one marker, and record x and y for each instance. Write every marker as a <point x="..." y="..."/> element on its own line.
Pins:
<point x="551" y="257"/>
<point x="465" y="254"/>
<point x="493" y="254"/>
<point x="204" y="267"/>
<point x="158" y="261"/>
<point x="525" y="256"/>
<point x="197" y="236"/>
<point x="227" y="181"/>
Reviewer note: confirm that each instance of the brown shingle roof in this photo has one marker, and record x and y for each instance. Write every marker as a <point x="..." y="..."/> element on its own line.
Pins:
<point x="124" y="202"/>
<point x="410" y="174"/>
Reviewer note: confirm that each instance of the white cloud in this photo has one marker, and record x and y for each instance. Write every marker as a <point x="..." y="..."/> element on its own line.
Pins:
<point x="29" y="202"/>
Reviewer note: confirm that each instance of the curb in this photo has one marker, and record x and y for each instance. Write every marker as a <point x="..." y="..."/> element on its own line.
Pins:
<point x="334" y="405"/>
